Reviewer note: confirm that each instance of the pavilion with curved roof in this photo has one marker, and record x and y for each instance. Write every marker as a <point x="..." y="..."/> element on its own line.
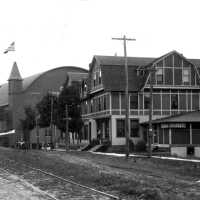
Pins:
<point x="21" y="92"/>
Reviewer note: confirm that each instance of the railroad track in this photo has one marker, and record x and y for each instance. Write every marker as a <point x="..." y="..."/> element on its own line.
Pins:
<point x="53" y="186"/>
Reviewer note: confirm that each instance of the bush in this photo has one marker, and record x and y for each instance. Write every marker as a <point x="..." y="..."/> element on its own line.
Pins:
<point x="140" y="146"/>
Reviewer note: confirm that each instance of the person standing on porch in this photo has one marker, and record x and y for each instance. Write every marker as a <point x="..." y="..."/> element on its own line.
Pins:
<point x="99" y="135"/>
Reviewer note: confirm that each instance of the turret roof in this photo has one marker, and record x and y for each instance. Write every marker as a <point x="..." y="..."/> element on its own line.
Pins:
<point x="15" y="75"/>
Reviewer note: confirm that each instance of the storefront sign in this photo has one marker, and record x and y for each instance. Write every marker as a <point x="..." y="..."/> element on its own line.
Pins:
<point x="174" y="125"/>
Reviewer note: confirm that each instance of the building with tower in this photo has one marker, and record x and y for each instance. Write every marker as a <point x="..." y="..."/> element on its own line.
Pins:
<point x="21" y="92"/>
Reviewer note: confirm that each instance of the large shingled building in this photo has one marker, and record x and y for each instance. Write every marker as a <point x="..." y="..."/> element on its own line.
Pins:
<point x="176" y="92"/>
<point x="19" y="93"/>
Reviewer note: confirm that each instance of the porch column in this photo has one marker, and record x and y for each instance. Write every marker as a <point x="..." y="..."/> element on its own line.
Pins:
<point x="113" y="130"/>
<point x="170" y="136"/>
<point x="103" y="130"/>
<point x="158" y="132"/>
<point x="93" y="129"/>
<point x="110" y="129"/>
<point x="190" y="133"/>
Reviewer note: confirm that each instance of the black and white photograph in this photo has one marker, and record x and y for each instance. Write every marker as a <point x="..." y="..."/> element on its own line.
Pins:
<point x="100" y="100"/>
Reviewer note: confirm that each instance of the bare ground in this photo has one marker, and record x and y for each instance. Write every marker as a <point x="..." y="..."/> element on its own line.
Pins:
<point x="140" y="178"/>
<point x="14" y="188"/>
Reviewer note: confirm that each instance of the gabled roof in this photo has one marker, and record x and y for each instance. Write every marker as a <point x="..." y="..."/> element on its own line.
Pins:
<point x="113" y="73"/>
<point x="113" y="78"/>
<point x="193" y="116"/>
<point x="196" y="62"/>
<point x="119" y="60"/>
<point x="15" y="75"/>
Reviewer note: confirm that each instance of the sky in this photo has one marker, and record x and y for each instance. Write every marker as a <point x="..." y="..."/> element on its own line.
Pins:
<point x="54" y="33"/>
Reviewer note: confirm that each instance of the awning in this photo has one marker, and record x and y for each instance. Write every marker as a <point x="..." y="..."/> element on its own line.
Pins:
<point x="187" y="117"/>
<point x="7" y="133"/>
<point x="193" y="116"/>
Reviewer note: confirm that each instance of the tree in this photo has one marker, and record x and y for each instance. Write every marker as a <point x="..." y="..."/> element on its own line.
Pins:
<point x="47" y="110"/>
<point x="28" y="123"/>
<point x="52" y="109"/>
<point x="69" y="96"/>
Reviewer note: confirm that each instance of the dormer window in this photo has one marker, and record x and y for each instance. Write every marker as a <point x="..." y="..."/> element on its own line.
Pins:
<point x="100" y="76"/>
<point x="96" y="76"/>
<point x="94" y="79"/>
<point x="83" y="88"/>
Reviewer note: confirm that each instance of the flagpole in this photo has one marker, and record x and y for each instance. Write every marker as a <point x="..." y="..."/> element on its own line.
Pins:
<point x="11" y="48"/>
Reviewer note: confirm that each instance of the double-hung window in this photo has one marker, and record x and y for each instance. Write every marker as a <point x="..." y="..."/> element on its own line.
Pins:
<point x="134" y="127"/>
<point x="186" y="76"/>
<point x="146" y="100"/>
<point x="174" y="101"/>
<point x="159" y="75"/>
<point x="120" y="128"/>
<point x="133" y="101"/>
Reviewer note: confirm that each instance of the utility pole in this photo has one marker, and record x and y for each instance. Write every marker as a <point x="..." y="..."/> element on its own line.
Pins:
<point x="67" y="139"/>
<point x="150" y="131"/>
<point x="51" y="120"/>
<point x="37" y="133"/>
<point x="127" y="127"/>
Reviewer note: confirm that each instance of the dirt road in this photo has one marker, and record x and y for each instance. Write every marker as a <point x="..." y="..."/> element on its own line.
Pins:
<point x="14" y="188"/>
<point x="141" y="179"/>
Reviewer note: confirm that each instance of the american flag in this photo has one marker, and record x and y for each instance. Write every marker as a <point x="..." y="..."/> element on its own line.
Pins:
<point x="10" y="48"/>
